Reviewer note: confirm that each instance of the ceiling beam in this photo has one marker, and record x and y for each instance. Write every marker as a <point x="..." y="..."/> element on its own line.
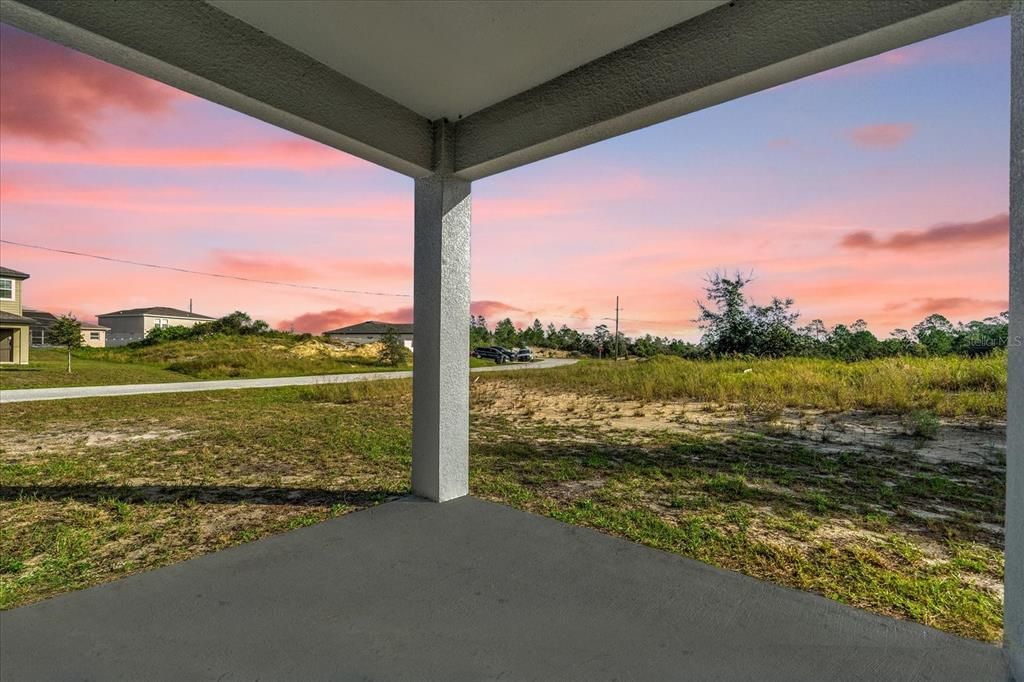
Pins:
<point x="197" y="48"/>
<point x="726" y="53"/>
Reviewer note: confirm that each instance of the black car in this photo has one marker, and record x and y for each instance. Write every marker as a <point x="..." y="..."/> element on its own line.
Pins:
<point x="497" y="353"/>
<point x="524" y="355"/>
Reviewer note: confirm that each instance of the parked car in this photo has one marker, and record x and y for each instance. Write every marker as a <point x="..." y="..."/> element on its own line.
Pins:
<point x="524" y="355"/>
<point x="497" y="353"/>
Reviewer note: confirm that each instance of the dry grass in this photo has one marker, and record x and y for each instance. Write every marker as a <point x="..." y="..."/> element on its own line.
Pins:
<point x="948" y="386"/>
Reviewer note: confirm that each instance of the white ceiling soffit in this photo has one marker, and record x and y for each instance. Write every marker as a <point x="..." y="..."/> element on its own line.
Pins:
<point x="491" y="50"/>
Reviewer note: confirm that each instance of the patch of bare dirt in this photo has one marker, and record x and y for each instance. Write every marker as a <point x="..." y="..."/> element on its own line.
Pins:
<point x="317" y="348"/>
<point x="956" y="440"/>
<point x="18" y="444"/>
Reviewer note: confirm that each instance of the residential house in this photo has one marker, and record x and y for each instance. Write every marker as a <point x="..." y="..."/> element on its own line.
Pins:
<point x="370" y="331"/>
<point x="126" y="326"/>
<point x="14" y="326"/>
<point x="93" y="335"/>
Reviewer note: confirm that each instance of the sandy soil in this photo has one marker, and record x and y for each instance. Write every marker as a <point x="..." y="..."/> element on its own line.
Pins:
<point x="979" y="444"/>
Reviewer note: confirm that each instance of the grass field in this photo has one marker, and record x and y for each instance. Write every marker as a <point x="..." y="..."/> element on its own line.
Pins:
<point x="949" y="386"/>
<point x="868" y="508"/>
<point x="209" y="358"/>
<point x="48" y="367"/>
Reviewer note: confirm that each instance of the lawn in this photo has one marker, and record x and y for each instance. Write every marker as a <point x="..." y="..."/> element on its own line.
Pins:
<point x="216" y="357"/>
<point x="894" y="513"/>
<point x="48" y="367"/>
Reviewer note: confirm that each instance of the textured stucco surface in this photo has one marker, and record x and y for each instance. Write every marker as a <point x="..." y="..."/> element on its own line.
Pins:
<point x="1015" y="399"/>
<point x="492" y="49"/>
<point x="197" y="48"/>
<point x="728" y="52"/>
<point x="466" y="590"/>
<point x="440" y="422"/>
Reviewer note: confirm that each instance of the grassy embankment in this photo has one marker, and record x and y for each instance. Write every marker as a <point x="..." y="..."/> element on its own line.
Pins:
<point x="216" y="357"/>
<point x="94" y="489"/>
<point x="949" y="386"/>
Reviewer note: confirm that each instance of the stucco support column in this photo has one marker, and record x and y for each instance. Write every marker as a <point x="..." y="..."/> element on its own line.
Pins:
<point x="1014" y="619"/>
<point x="440" y="401"/>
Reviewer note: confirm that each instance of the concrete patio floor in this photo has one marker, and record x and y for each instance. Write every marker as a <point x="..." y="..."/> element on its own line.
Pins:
<point x="465" y="590"/>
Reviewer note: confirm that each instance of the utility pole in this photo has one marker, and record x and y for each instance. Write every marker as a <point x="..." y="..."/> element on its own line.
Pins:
<point x="616" y="329"/>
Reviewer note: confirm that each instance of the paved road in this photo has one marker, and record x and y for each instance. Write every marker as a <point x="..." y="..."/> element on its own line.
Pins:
<point x="63" y="393"/>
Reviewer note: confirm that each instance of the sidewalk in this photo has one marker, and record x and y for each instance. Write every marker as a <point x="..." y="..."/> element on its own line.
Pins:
<point x="65" y="393"/>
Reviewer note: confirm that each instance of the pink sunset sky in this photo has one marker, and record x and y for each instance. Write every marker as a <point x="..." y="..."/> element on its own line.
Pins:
<point x="878" y="191"/>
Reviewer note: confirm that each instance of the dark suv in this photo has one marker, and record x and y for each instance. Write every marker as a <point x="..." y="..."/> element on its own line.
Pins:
<point x="497" y="353"/>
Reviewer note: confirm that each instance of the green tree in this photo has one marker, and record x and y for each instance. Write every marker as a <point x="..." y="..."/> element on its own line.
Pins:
<point x="568" y="338"/>
<point x="506" y="334"/>
<point x="854" y="342"/>
<point x="551" y="338"/>
<point x="728" y="329"/>
<point x="646" y="346"/>
<point x="732" y="326"/>
<point x="235" y="324"/>
<point x="66" y="332"/>
<point x="393" y="352"/>
<point x="773" y="329"/>
<point x="978" y="338"/>
<point x="479" y="334"/>
<point x="935" y="333"/>
<point x="602" y="339"/>
<point x="533" y="335"/>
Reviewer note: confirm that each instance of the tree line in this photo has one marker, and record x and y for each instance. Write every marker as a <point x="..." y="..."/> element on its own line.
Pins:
<point x="734" y="326"/>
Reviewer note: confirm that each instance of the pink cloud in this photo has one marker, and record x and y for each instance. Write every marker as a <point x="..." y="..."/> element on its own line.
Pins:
<point x="493" y="309"/>
<point x="51" y="191"/>
<point x="259" y="266"/>
<point x="881" y="135"/>
<point x="313" y="267"/>
<point x="296" y="154"/>
<point x="50" y="93"/>
<point x="994" y="231"/>
<point x="320" y="321"/>
<point x="956" y="305"/>
<point x="40" y="191"/>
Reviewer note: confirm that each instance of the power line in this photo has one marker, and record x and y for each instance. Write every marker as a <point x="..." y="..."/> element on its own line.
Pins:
<point x="218" y="275"/>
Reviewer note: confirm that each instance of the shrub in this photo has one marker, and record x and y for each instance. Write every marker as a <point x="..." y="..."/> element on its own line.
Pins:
<point x="922" y="424"/>
<point x="393" y="352"/>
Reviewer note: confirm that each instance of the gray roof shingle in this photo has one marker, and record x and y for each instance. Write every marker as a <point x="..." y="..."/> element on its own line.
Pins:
<point x="42" y="318"/>
<point x="15" y="274"/>
<point x="156" y="310"/>
<point x="11" y="318"/>
<point x="373" y="327"/>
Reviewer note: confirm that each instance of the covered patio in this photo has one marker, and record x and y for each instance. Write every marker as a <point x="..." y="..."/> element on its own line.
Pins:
<point x="467" y="590"/>
<point x="449" y="93"/>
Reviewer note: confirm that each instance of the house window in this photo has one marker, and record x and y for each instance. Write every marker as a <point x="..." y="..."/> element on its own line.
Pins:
<point x="38" y="337"/>
<point x="94" y="336"/>
<point x="6" y="289"/>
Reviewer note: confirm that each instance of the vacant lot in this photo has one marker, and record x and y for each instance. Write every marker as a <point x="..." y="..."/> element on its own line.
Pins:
<point x="217" y="357"/>
<point x="896" y="511"/>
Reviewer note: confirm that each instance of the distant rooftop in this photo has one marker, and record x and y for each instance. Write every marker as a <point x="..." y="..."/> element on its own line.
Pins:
<point x="373" y="327"/>
<point x="7" y="272"/>
<point x="45" y="319"/>
<point x="11" y="318"/>
<point x="156" y="310"/>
